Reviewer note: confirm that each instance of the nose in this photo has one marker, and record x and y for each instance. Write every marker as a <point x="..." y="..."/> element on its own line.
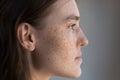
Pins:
<point x="82" y="39"/>
<point x="84" y="42"/>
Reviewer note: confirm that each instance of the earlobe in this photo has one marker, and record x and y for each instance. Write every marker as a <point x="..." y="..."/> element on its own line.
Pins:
<point x="26" y="36"/>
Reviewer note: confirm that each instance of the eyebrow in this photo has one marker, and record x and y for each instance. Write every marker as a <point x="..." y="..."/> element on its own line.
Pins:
<point x="73" y="17"/>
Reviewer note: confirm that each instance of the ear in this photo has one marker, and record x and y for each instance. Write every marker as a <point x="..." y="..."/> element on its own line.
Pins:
<point x="26" y="36"/>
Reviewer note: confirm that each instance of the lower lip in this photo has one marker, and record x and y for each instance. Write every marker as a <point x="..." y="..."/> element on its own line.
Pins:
<point x="78" y="59"/>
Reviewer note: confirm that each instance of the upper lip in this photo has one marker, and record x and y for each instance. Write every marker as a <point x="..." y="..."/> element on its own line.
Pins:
<point x="77" y="57"/>
<point x="79" y="54"/>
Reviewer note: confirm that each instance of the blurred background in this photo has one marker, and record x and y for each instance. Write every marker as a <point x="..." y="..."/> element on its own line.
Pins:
<point x="100" y="20"/>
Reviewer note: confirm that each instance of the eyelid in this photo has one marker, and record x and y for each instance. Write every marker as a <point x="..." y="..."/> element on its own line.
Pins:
<point x="72" y="26"/>
<point x="69" y="22"/>
<point x="72" y="22"/>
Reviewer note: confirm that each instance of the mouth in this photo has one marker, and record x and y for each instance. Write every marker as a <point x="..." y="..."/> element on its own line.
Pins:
<point x="78" y="59"/>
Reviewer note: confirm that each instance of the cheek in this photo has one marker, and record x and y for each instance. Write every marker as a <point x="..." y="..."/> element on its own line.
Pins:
<point x="60" y="46"/>
<point x="61" y="52"/>
<point x="56" y="50"/>
<point x="61" y="42"/>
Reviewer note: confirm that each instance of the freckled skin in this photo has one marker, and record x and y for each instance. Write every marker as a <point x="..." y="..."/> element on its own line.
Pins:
<point x="57" y="45"/>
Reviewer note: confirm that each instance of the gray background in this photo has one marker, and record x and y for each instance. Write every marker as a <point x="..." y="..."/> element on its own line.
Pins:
<point x="100" y="20"/>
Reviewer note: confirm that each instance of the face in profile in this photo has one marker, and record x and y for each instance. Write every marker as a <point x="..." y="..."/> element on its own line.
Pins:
<point x="58" y="45"/>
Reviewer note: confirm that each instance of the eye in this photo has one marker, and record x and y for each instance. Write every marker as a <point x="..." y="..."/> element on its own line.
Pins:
<point x="72" y="26"/>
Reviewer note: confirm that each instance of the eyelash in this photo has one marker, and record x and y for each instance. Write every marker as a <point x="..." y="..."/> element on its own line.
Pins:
<point x="72" y="26"/>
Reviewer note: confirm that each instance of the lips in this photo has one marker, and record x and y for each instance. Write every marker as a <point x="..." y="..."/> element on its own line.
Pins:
<point x="78" y="59"/>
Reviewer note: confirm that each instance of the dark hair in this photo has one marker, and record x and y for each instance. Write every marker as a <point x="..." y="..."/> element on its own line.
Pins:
<point x="13" y="62"/>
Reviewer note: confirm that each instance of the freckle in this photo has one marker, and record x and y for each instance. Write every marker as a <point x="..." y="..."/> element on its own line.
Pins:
<point x="43" y="38"/>
<point x="55" y="30"/>
<point x="48" y="59"/>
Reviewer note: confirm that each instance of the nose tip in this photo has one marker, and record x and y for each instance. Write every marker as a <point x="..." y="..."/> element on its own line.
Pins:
<point x="84" y="42"/>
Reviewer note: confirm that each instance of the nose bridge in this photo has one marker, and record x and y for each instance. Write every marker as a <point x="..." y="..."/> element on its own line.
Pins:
<point x="82" y="39"/>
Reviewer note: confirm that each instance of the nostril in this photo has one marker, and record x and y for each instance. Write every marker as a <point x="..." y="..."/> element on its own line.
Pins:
<point x="84" y="42"/>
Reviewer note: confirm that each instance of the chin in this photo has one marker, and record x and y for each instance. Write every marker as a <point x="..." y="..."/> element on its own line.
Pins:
<point x="72" y="75"/>
<point x="75" y="75"/>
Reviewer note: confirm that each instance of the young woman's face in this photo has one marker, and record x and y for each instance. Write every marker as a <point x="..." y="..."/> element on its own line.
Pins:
<point x="59" y="42"/>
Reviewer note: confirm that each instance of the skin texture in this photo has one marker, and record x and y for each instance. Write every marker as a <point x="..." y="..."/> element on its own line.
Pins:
<point x="52" y="50"/>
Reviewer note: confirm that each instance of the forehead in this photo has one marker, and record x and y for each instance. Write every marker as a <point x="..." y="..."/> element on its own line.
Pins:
<point x="60" y="10"/>
<point x="66" y="6"/>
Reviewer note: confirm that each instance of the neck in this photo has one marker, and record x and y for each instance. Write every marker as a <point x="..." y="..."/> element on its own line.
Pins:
<point x="38" y="74"/>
